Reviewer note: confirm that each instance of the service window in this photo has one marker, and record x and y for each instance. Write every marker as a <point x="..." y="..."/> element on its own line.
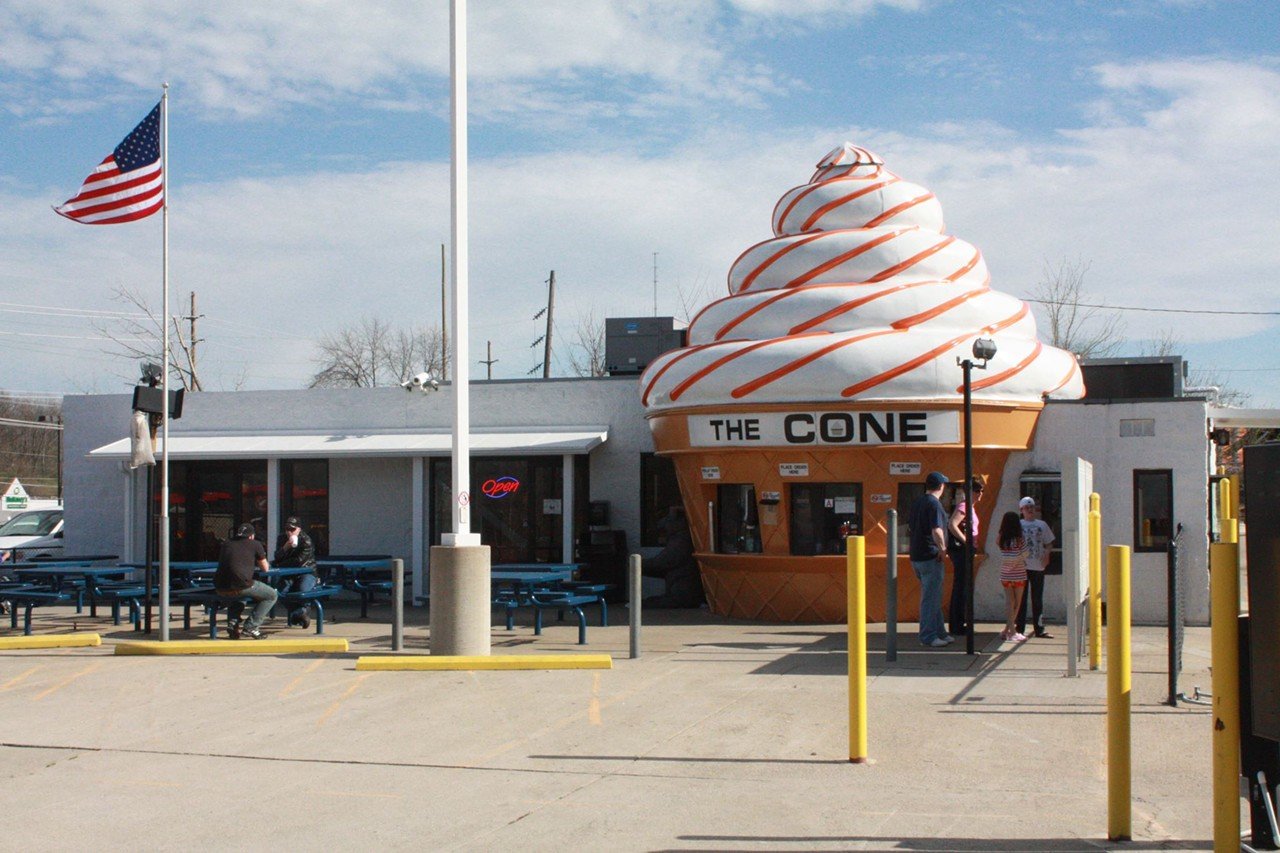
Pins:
<point x="1152" y="510"/>
<point x="736" y="518"/>
<point x="822" y="515"/>
<point x="907" y="494"/>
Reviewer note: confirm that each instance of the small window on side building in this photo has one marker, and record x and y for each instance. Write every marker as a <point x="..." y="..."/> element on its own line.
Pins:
<point x="1152" y="510"/>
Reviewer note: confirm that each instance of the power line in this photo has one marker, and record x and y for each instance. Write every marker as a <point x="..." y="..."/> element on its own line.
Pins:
<point x="1154" y="310"/>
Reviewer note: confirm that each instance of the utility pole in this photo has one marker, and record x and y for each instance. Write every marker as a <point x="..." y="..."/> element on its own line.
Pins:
<point x="655" y="284"/>
<point x="193" y="340"/>
<point x="488" y="362"/>
<point x="551" y="307"/>
<point x="444" y="327"/>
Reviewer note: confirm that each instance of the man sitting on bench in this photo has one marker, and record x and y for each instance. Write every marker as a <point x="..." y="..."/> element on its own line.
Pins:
<point x="240" y="555"/>
<point x="294" y="549"/>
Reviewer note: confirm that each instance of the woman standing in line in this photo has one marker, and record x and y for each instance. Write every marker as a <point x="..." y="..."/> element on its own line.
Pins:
<point x="1013" y="572"/>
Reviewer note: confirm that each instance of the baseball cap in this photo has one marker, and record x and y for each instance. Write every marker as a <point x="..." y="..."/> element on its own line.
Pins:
<point x="292" y="521"/>
<point x="1026" y="502"/>
<point x="244" y="531"/>
<point x="934" y="480"/>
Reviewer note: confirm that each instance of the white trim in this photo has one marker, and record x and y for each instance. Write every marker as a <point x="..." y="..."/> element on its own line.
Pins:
<point x="567" y="499"/>
<point x="272" y="510"/>
<point x="332" y="445"/>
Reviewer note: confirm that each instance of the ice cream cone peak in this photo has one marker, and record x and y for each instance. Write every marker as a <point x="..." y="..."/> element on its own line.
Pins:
<point x="860" y="295"/>
<point x="850" y="155"/>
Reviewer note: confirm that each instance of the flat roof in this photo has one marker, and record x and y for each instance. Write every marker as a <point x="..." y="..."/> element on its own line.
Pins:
<point x="229" y="445"/>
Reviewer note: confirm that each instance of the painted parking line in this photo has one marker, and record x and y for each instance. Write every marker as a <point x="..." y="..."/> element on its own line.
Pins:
<point x="350" y="691"/>
<point x="68" y="680"/>
<point x="288" y="688"/>
<point x="19" y="678"/>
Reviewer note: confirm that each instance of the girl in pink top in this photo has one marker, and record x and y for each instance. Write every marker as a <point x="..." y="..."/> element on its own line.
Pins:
<point x="1014" y="553"/>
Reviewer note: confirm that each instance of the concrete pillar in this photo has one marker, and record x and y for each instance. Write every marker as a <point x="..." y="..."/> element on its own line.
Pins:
<point x="460" y="612"/>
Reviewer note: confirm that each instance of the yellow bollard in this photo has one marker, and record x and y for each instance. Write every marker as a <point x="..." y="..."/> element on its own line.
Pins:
<point x="856" y="564"/>
<point x="1229" y="531"/>
<point x="1224" y="603"/>
<point x="1095" y="581"/>
<point x="1119" y="686"/>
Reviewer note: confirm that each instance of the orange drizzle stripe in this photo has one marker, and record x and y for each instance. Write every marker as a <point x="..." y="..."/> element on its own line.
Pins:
<point x="644" y="399"/>
<point x="894" y="211"/>
<point x="756" y="384"/>
<point x="829" y="206"/>
<point x="997" y="378"/>
<point x="708" y="307"/>
<point x="973" y="262"/>
<point x="859" y="387"/>
<point x="697" y="376"/>
<point x="847" y="256"/>
<point x="913" y="260"/>
<point x="940" y="308"/>
<point x="1067" y="378"/>
<point x="746" y="282"/>
<point x="856" y="303"/>
<point x="744" y="315"/>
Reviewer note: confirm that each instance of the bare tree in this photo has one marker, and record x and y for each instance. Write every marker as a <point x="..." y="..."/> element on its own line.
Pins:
<point x="372" y="352"/>
<point x="138" y="338"/>
<point x="1074" y="325"/>
<point x="586" y="353"/>
<point x="695" y="298"/>
<point x="29" y="440"/>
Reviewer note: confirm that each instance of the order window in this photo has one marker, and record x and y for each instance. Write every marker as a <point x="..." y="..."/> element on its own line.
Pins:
<point x="822" y="515"/>
<point x="907" y="494"/>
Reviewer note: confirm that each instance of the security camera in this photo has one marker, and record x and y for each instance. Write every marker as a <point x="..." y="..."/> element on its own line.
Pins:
<point x="421" y="382"/>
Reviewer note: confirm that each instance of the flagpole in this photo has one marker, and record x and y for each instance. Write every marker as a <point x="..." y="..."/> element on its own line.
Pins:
<point x="164" y="408"/>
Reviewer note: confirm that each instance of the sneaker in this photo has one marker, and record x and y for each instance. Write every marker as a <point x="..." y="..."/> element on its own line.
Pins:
<point x="1019" y="638"/>
<point x="233" y="630"/>
<point x="937" y="642"/>
<point x="304" y="621"/>
<point x="1005" y="635"/>
<point x="949" y="639"/>
<point x="1043" y="634"/>
<point x="251" y="634"/>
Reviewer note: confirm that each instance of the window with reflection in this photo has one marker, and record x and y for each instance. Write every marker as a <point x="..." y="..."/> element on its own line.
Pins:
<point x="822" y="515"/>
<point x="1152" y="510"/>
<point x="304" y="492"/>
<point x="658" y="493"/>
<point x="737" y="522"/>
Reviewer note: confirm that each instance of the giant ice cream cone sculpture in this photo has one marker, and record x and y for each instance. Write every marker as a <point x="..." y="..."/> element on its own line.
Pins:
<point x="817" y="395"/>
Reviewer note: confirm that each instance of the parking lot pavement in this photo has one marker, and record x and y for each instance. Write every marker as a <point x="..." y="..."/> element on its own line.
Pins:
<point x="723" y="735"/>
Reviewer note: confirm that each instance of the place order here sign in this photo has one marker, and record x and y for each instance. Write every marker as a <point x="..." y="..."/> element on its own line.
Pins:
<point x="774" y="429"/>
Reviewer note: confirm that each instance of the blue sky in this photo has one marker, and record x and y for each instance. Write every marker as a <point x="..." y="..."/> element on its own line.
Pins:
<point x="309" y="146"/>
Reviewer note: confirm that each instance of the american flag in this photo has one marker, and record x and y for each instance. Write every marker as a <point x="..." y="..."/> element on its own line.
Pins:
<point x="128" y="185"/>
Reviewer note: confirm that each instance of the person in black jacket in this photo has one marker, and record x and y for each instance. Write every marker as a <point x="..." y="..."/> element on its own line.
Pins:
<point x="295" y="549"/>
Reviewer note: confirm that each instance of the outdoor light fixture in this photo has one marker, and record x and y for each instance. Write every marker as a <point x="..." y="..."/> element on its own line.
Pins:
<point x="984" y="349"/>
<point x="423" y="382"/>
<point x="151" y="374"/>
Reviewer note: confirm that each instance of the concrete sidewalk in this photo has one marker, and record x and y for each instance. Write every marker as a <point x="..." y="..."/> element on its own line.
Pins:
<point x="723" y="735"/>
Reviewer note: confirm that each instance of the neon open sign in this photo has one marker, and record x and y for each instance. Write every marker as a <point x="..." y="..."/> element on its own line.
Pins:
<point x="500" y="487"/>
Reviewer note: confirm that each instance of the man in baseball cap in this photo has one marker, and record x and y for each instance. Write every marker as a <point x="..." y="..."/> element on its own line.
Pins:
<point x="240" y="556"/>
<point x="927" y="522"/>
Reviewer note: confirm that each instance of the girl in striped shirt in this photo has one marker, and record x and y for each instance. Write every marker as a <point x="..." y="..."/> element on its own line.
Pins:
<point x="1014" y="553"/>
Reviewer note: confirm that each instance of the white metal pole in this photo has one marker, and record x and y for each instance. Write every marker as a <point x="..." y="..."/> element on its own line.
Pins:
<point x="462" y="534"/>
<point x="164" y="377"/>
<point x="568" y="500"/>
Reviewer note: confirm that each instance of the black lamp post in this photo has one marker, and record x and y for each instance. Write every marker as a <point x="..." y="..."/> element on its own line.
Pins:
<point x="984" y="349"/>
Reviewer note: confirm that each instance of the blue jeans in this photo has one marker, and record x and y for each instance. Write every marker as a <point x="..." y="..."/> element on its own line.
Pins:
<point x="930" y="573"/>
<point x="264" y="597"/>
<point x="302" y="583"/>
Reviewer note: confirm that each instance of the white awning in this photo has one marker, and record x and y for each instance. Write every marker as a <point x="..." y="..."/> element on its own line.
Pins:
<point x="196" y="445"/>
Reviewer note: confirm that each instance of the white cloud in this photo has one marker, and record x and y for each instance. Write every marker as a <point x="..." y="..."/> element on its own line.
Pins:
<point x="244" y="57"/>
<point x="1172" y="205"/>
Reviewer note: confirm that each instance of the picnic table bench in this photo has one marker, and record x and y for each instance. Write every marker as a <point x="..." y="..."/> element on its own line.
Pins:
<point x="29" y="598"/>
<point x="211" y="601"/>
